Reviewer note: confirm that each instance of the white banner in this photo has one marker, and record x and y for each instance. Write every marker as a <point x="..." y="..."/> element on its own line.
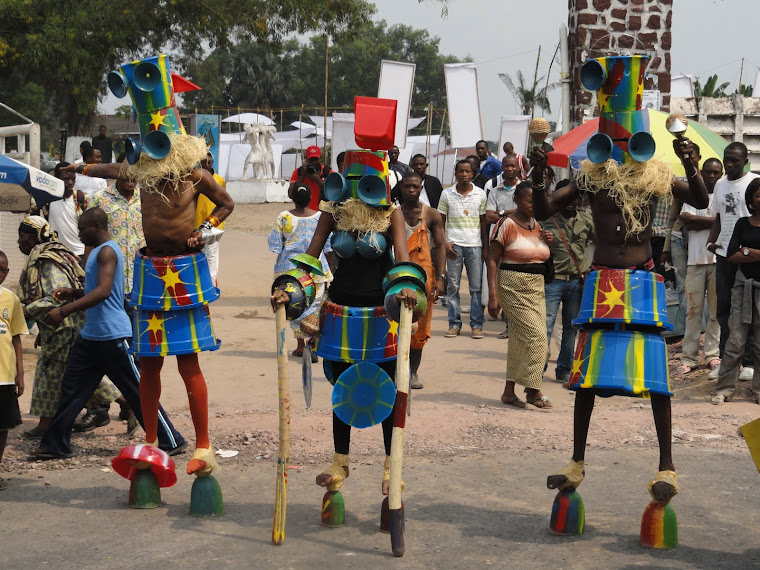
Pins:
<point x="464" y="104"/>
<point x="514" y="129"/>
<point x="397" y="82"/>
<point x="343" y="136"/>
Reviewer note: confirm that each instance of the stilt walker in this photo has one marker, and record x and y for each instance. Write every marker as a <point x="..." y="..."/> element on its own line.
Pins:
<point x="358" y="325"/>
<point x="620" y="350"/>
<point x="172" y="283"/>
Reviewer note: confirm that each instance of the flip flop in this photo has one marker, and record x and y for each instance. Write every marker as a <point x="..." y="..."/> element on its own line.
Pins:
<point x="719" y="399"/>
<point x="515" y="401"/>
<point x="48" y="455"/>
<point x="541" y="399"/>
<point x="504" y="334"/>
<point x="684" y="369"/>
<point x="31" y="434"/>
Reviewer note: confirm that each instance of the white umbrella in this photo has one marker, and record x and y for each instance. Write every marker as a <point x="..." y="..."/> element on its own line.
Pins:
<point x="249" y="118"/>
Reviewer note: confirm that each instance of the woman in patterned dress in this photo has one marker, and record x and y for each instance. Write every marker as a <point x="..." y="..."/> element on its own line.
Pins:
<point x="519" y="250"/>
<point x="50" y="266"/>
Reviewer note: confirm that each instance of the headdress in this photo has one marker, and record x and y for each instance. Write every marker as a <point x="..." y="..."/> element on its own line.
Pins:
<point x="38" y="226"/>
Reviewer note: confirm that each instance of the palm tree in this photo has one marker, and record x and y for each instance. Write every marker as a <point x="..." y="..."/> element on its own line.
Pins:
<point x="529" y="97"/>
<point x="711" y="88"/>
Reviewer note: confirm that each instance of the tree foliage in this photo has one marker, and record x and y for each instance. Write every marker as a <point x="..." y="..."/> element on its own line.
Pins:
<point x="710" y="88"/>
<point x="67" y="46"/>
<point x="290" y="74"/>
<point x="528" y="96"/>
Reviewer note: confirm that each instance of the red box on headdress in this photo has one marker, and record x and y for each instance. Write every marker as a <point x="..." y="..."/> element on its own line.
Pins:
<point x="375" y="122"/>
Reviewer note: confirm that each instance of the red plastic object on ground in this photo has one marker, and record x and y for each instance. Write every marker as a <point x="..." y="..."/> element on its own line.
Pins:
<point x="125" y="464"/>
<point x="374" y="123"/>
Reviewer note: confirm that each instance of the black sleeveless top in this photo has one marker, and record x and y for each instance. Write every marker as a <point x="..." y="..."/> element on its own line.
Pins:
<point x="358" y="281"/>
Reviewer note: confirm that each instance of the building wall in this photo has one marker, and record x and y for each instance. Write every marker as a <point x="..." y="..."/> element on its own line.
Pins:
<point x="618" y="27"/>
<point x="735" y="118"/>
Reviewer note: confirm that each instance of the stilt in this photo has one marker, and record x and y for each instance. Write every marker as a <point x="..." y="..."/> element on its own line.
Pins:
<point x="568" y="514"/>
<point x="659" y="526"/>
<point x="333" y="509"/>
<point x="144" y="491"/>
<point x="206" y="497"/>
<point x="385" y="517"/>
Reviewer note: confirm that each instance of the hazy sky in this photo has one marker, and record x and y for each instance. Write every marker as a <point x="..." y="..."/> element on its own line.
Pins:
<point x="709" y="36"/>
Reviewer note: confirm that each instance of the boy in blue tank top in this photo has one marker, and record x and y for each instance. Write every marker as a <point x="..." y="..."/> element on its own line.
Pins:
<point x="102" y="345"/>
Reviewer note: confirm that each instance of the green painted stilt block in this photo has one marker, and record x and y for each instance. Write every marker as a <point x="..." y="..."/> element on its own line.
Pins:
<point x="206" y="498"/>
<point x="333" y="509"/>
<point x="144" y="492"/>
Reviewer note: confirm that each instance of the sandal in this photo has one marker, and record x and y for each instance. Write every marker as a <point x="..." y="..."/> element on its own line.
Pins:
<point x="719" y="399"/>
<point x="504" y="334"/>
<point x="31" y="434"/>
<point x="714" y="363"/>
<point x="684" y="369"/>
<point x="514" y="401"/>
<point x="541" y="403"/>
<point x="297" y="354"/>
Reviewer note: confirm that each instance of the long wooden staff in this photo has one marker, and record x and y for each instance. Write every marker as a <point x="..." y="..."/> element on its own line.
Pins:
<point x="397" y="438"/>
<point x="283" y="453"/>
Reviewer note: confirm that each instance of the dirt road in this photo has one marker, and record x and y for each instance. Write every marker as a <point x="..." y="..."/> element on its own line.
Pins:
<point x="475" y="470"/>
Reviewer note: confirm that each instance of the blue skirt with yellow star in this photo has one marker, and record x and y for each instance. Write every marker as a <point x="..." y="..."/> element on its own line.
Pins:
<point x="170" y="295"/>
<point x="620" y="350"/>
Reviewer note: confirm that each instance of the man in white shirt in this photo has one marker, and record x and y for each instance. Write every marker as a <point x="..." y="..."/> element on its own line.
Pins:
<point x="63" y="215"/>
<point x="728" y="206"/>
<point x="700" y="277"/>
<point x="463" y="208"/>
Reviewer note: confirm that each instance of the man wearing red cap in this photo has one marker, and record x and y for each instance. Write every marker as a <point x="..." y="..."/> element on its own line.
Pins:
<point x="312" y="173"/>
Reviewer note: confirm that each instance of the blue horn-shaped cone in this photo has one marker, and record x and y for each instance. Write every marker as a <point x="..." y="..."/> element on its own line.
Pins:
<point x="641" y="146"/>
<point x="132" y="150"/>
<point x="117" y="83"/>
<point x="156" y="145"/>
<point x="372" y="190"/>
<point x="593" y="75"/>
<point x="599" y="148"/>
<point x="336" y="188"/>
<point x="147" y="76"/>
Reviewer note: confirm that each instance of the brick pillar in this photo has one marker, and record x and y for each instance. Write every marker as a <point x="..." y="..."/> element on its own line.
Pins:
<point x="618" y="27"/>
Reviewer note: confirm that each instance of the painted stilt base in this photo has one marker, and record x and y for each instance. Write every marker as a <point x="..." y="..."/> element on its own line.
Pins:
<point x="659" y="526"/>
<point x="144" y="492"/>
<point x="385" y="518"/>
<point x="568" y="514"/>
<point x="396" y="517"/>
<point x="333" y="509"/>
<point x="206" y="497"/>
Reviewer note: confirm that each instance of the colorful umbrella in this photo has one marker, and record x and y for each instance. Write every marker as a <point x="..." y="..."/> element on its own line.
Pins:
<point x="572" y="145"/>
<point x="43" y="187"/>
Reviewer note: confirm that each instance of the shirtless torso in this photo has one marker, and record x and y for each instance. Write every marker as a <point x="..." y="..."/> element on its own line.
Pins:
<point x="168" y="213"/>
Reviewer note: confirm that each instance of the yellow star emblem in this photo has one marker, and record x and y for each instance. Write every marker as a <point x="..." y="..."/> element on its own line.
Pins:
<point x="577" y="363"/>
<point x="171" y="278"/>
<point x="393" y="329"/>
<point x="155" y="323"/>
<point x="157" y="120"/>
<point x="613" y="298"/>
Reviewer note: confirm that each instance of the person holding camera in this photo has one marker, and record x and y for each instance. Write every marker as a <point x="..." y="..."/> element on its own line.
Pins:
<point x="313" y="173"/>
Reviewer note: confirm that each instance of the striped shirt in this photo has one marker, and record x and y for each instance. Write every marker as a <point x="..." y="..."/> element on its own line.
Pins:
<point x="463" y="215"/>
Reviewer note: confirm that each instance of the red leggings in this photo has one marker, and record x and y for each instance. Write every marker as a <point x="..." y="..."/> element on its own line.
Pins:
<point x="197" y="394"/>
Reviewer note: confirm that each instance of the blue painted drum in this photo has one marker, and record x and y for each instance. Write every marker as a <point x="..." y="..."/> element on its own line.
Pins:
<point x="625" y="363"/>
<point x="165" y="333"/>
<point x="623" y="296"/>
<point x="172" y="283"/>
<point x="354" y="334"/>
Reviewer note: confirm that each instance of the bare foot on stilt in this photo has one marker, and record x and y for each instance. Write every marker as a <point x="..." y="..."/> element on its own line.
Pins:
<point x="333" y="476"/>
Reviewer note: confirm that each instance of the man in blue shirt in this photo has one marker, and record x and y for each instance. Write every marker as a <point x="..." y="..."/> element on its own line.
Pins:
<point x="489" y="164"/>
<point x="102" y="345"/>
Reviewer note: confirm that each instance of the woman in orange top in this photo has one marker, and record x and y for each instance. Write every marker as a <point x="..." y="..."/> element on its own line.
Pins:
<point x="518" y="251"/>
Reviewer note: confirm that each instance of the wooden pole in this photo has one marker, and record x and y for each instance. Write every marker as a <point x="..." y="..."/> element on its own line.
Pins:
<point x="535" y="80"/>
<point x="397" y="438"/>
<point x="283" y="452"/>
<point x="324" y="143"/>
